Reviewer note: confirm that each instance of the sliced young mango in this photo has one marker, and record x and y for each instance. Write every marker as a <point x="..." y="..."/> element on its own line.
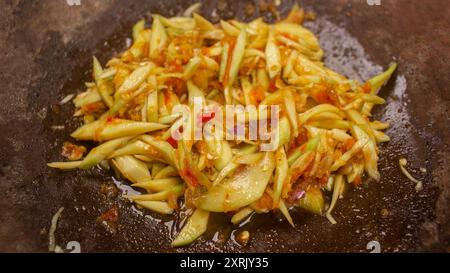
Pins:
<point x="194" y="228"/>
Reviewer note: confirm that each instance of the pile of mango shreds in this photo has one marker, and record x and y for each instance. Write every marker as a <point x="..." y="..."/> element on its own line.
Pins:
<point x="326" y="138"/>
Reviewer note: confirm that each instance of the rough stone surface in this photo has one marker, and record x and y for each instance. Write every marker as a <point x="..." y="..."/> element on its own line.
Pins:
<point x="46" y="49"/>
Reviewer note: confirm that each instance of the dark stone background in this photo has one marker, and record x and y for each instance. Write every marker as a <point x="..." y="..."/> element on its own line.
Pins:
<point x="45" y="52"/>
